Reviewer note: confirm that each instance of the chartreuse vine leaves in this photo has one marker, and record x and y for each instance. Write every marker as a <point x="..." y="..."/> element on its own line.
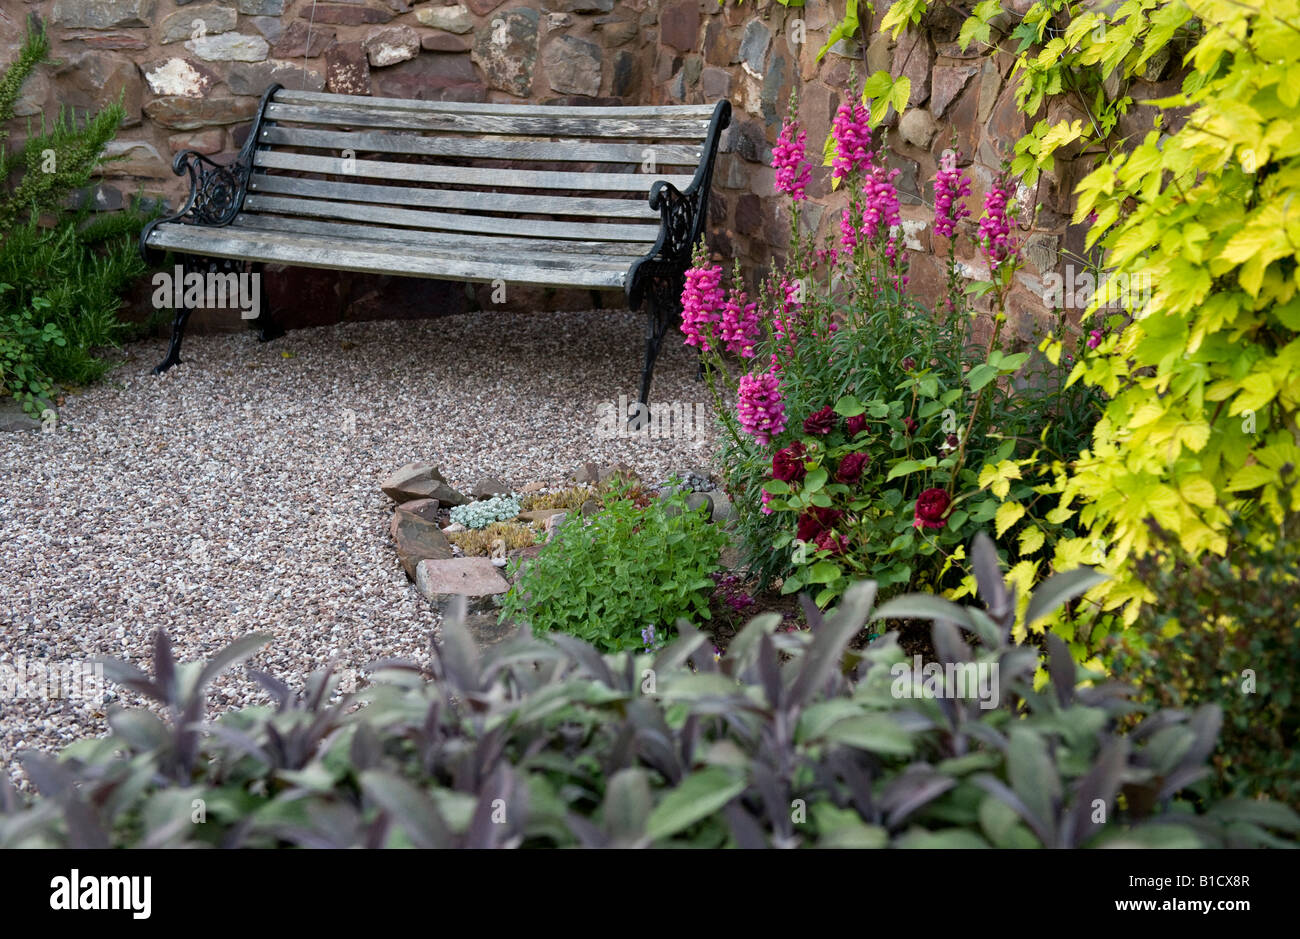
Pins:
<point x="1204" y="381"/>
<point x="1202" y="370"/>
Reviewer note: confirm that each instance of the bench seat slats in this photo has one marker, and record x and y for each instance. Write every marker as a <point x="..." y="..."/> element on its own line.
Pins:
<point x="516" y="267"/>
<point x="483" y="177"/>
<point x="458" y="191"/>
<point x="556" y="151"/>
<point x="473" y="202"/>
<point x="443" y="221"/>
<point x="697" y="112"/>
<point x="479" y="245"/>
<point x="488" y="124"/>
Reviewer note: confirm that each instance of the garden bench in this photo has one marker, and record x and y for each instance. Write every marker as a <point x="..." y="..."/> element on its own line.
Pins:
<point x="579" y="197"/>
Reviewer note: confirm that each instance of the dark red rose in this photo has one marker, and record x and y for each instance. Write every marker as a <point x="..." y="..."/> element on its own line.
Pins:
<point x="952" y="442"/>
<point x="823" y="422"/>
<point x="817" y="520"/>
<point x="856" y="425"/>
<point x="787" y="464"/>
<point x="835" y="544"/>
<point x="851" y="468"/>
<point x="909" y="364"/>
<point x="909" y="425"/>
<point x="930" y="508"/>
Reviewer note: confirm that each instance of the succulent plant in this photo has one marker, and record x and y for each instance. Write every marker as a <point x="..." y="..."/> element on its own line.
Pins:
<point x="687" y="482"/>
<point x="478" y="542"/>
<point x="570" y="498"/>
<point x="484" y="512"/>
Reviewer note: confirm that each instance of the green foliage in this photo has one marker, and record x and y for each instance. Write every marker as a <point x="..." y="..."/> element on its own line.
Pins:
<point x="901" y="14"/>
<point x="1202" y="374"/>
<point x="935" y="412"/>
<point x="32" y="53"/>
<point x="606" y="578"/>
<point x="1090" y="54"/>
<point x="1205" y="382"/>
<point x="882" y="91"/>
<point x="65" y="276"/>
<point x="791" y="739"/>
<point x="22" y="345"/>
<point x="1225" y="633"/>
<point x="846" y="28"/>
<point x="1075" y="51"/>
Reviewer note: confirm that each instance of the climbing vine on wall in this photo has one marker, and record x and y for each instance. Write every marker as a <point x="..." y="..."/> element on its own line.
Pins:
<point x="1062" y="49"/>
<point x="1202" y="371"/>
<point x="1204" y="377"/>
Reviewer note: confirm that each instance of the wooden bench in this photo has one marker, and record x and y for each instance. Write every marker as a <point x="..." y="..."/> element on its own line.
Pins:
<point x="585" y="197"/>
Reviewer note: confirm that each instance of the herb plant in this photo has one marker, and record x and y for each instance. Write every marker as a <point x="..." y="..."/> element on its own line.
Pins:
<point x="66" y="277"/>
<point x="790" y="739"/>
<point x="606" y="577"/>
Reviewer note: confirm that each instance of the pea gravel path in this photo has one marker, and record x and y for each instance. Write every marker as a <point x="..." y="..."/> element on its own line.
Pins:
<point x="239" y="491"/>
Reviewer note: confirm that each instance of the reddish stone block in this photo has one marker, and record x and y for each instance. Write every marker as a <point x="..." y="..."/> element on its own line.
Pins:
<point x="297" y="44"/>
<point x="344" y="14"/>
<point x="347" y="71"/>
<point x="679" y="26"/>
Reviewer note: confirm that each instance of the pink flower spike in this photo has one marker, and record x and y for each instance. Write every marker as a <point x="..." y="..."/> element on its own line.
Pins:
<point x="702" y="301"/>
<point x="848" y="231"/>
<point x="739" y="324"/>
<point x="852" y="132"/>
<point x="951" y="186"/>
<point x="995" y="239"/>
<point x="881" y="212"/>
<point x="761" y="408"/>
<point x="792" y="173"/>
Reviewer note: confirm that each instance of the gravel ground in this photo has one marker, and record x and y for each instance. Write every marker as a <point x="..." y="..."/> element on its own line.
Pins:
<point x="239" y="491"/>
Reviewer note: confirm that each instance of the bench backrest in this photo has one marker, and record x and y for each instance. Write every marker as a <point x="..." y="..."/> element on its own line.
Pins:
<point x="518" y="171"/>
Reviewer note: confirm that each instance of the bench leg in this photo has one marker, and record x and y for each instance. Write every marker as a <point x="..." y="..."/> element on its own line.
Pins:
<point x="190" y="263"/>
<point x="265" y="323"/>
<point x="658" y="319"/>
<point x="268" y="328"/>
<point x="174" y="350"/>
<point x="664" y="311"/>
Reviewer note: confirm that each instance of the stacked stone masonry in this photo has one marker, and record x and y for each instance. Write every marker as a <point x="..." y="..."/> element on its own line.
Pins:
<point x="190" y="72"/>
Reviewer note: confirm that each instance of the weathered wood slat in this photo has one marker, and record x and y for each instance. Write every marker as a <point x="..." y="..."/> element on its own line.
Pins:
<point x="537" y="253"/>
<point x="473" y="202"/>
<point x="482" y="176"/>
<point x="441" y="221"/>
<point x="566" y="151"/>
<point x="479" y="245"/>
<point x="487" y="124"/>
<point x="698" y="112"/>
<point x="381" y="259"/>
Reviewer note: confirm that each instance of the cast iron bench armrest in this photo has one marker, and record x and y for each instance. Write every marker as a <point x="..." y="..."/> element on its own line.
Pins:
<point x="682" y="215"/>
<point x="217" y="190"/>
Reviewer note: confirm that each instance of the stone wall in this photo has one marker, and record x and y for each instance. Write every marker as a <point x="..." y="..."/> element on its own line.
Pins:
<point x="190" y="73"/>
<point x="756" y="53"/>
